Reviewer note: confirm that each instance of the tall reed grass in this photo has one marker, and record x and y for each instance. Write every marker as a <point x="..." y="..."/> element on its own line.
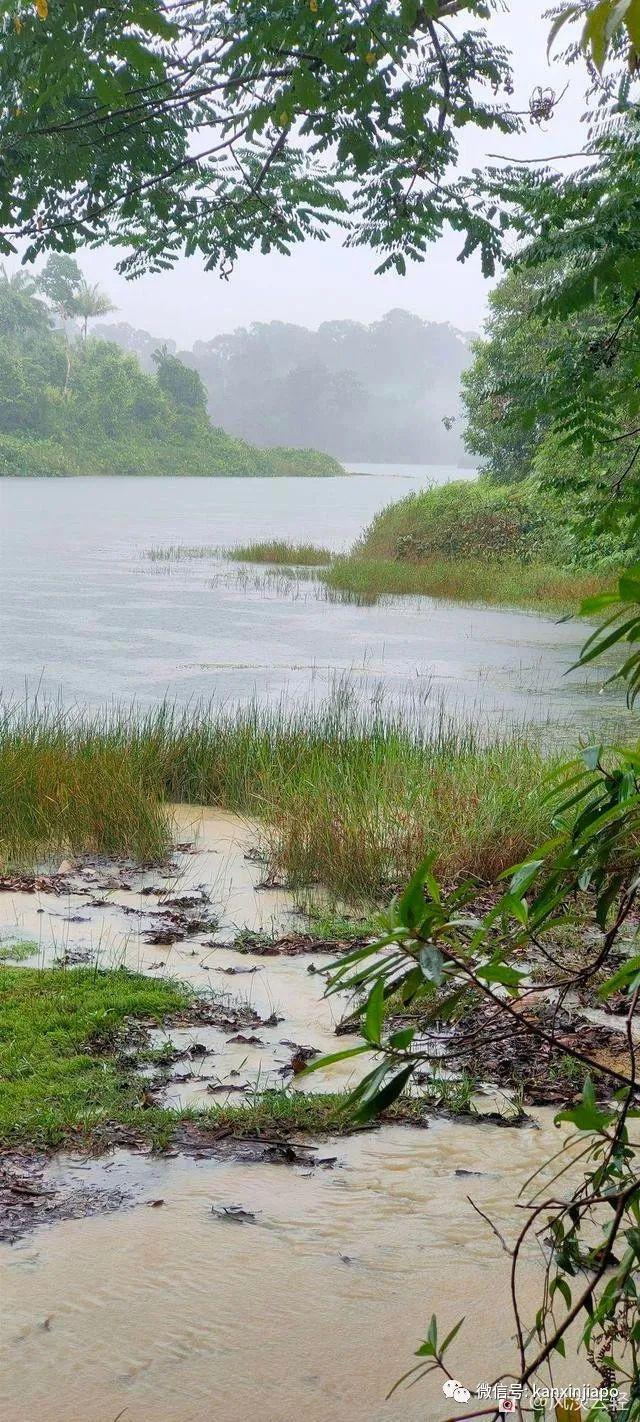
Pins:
<point x="349" y="796"/>
<point x="281" y="551"/>
<point x="364" y="579"/>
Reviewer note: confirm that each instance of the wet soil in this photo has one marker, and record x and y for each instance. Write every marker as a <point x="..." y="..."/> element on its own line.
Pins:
<point x="228" y="1045"/>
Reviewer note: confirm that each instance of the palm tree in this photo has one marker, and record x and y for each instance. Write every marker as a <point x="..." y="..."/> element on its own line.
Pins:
<point x="19" y="308"/>
<point x="19" y="281"/>
<point x="89" y="302"/>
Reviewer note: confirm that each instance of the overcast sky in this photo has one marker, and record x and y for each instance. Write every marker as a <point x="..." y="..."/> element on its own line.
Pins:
<point x="322" y="281"/>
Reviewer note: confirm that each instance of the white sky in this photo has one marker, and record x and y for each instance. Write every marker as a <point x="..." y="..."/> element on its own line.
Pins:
<point x="323" y="281"/>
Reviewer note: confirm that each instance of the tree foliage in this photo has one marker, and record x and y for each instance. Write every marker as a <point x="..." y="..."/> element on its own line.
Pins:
<point x="83" y="407"/>
<point x="208" y="127"/>
<point x="182" y="384"/>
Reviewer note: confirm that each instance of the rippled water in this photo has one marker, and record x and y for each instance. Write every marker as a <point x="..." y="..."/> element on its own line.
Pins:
<point x="314" y="1311"/>
<point x="87" y="617"/>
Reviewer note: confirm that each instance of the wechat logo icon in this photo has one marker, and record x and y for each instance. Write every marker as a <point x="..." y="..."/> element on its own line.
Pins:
<point x="452" y="1388"/>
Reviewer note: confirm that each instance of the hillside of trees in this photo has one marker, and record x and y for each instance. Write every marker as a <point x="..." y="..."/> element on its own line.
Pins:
<point x="72" y="404"/>
<point x="387" y="391"/>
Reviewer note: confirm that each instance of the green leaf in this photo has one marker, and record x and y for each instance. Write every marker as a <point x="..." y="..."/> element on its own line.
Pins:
<point x="411" y="905"/>
<point x="380" y="1100"/>
<point x="622" y="978"/>
<point x="321" y="1062"/>
<point x="586" y="1115"/>
<point x="450" y="1336"/>
<point x="432" y="963"/>
<point x="632" y="21"/>
<point x="497" y="972"/>
<point x="402" y="1039"/>
<point x="594" y="34"/>
<point x="374" y="1013"/>
<point x="560" y="1285"/>
<point x="559" y="21"/>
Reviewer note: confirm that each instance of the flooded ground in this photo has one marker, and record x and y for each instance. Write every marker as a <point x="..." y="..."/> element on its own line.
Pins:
<point x="313" y="1310"/>
<point x="88" y="618"/>
<point x="164" y="1309"/>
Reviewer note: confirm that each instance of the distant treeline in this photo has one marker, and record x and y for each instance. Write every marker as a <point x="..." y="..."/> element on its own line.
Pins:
<point x="386" y="392"/>
<point x="71" y="404"/>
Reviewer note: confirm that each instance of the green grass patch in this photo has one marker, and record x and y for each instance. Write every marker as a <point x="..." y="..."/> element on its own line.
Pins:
<point x="17" y="952"/>
<point x="66" y="1076"/>
<point x="365" y="580"/>
<point x="349" y="797"/>
<point x="326" y="924"/>
<point x="59" y="1034"/>
<point x="279" y="551"/>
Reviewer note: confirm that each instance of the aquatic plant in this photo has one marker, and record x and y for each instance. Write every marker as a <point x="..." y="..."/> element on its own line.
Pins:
<point x="280" y="550"/>
<point x="364" y="579"/>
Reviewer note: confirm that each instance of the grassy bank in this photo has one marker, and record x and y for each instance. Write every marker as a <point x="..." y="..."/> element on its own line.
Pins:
<point x="351" y="798"/>
<point x="72" y="1042"/>
<point x="501" y="583"/>
<point x="471" y="542"/>
<point x="465" y="541"/>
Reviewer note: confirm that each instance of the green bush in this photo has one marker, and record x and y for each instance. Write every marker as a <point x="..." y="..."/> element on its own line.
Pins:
<point x="470" y="520"/>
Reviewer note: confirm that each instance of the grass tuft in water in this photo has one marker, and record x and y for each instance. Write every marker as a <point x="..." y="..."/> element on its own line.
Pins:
<point x="278" y="550"/>
<point x="17" y="952"/>
<point x="179" y="552"/>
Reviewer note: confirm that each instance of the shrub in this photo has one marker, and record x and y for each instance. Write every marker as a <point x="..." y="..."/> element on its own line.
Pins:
<point x="469" y="519"/>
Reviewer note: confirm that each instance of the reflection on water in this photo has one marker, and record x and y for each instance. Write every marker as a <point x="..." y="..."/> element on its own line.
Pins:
<point x="86" y="617"/>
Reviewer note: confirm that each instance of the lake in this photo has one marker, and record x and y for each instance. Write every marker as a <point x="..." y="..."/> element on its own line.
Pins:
<point x="87" y="617"/>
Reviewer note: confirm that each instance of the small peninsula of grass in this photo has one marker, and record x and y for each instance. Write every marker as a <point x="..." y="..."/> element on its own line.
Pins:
<point x="470" y="541"/>
<point x="347" y="797"/>
<point x="500" y="583"/>
<point x="280" y="551"/>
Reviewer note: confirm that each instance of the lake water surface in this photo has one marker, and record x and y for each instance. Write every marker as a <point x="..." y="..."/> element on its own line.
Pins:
<point x="88" y="617"/>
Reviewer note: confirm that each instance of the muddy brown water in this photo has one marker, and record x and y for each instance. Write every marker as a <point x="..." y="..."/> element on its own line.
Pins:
<point x="313" y="1308"/>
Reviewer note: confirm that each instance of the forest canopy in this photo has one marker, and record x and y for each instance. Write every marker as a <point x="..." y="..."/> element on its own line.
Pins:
<point x="71" y="404"/>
